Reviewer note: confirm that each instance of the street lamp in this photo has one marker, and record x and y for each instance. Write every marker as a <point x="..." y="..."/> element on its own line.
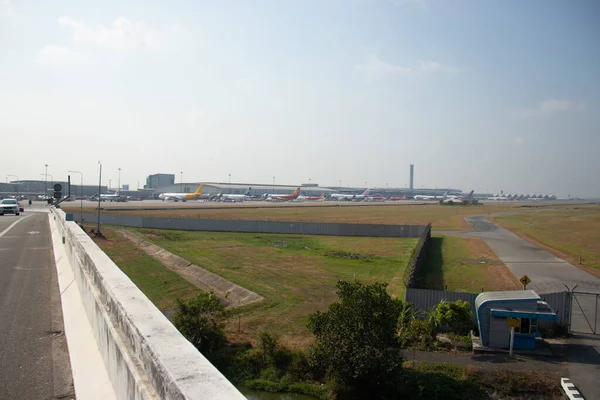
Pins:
<point x="229" y="183"/>
<point x="119" y="181"/>
<point x="181" y="173"/>
<point x="46" y="186"/>
<point x="273" y="184"/>
<point x="109" y="184"/>
<point x="80" y="195"/>
<point x="17" y="182"/>
<point x="51" y="181"/>
<point x="98" y="233"/>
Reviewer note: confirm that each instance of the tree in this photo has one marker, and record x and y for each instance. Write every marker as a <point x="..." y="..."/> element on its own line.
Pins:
<point x="199" y="319"/>
<point x="455" y="316"/>
<point x="355" y="338"/>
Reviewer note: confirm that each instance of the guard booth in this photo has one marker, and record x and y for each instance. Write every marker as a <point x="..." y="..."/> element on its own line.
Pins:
<point x="497" y="311"/>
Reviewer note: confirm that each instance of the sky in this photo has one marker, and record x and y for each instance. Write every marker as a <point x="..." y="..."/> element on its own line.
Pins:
<point x="483" y="95"/>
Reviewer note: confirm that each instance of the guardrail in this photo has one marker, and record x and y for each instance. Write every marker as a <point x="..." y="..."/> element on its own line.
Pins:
<point x="145" y="356"/>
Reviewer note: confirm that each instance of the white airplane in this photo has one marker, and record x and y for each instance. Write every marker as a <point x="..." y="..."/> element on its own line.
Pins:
<point x="182" y="196"/>
<point x="321" y="197"/>
<point x="110" y="197"/>
<point x="425" y="197"/>
<point x="351" y="197"/>
<point x="465" y="199"/>
<point x="498" y="198"/>
<point x="282" y="197"/>
<point x="235" y="197"/>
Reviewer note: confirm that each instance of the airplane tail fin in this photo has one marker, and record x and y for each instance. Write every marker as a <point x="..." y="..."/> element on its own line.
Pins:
<point x="366" y="192"/>
<point x="470" y="194"/>
<point x="322" y="196"/>
<point x="199" y="190"/>
<point x="247" y="192"/>
<point x="297" y="192"/>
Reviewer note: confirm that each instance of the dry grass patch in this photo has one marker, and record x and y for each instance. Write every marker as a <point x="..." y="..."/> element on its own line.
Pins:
<point x="568" y="233"/>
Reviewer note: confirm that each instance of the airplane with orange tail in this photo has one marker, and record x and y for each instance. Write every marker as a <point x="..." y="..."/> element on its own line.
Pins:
<point x="321" y="197"/>
<point x="397" y="198"/>
<point x="283" y="197"/>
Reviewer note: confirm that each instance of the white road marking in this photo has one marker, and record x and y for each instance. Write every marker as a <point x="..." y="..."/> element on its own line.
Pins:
<point x="12" y="225"/>
<point x="33" y="232"/>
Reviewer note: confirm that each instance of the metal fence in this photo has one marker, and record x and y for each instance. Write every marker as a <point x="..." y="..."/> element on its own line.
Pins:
<point x="284" y="227"/>
<point x="417" y="258"/>
<point x="425" y="299"/>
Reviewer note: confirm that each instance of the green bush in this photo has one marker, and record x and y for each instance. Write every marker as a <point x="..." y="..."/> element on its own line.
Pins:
<point x="455" y="316"/>
<point x="355" y="338"/>
<point x="270" y="374"/>
<point x="199" y="319"/>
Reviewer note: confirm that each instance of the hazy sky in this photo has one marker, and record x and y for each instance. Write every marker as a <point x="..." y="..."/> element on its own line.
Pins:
<point x="483" y="95"/>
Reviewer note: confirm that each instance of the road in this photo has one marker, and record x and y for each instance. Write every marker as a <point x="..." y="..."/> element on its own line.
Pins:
<point x="34" y="360"/>
<point x="550" y="274"/>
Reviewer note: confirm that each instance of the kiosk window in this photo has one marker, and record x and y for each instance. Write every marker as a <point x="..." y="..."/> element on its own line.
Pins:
<point x="524" y="325"/>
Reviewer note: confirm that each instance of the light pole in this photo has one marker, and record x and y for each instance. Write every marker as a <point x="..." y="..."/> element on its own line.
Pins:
<point x="119" y="181"/>
<point x="181" y="173"/>
<point x="51" y="180"/>
<point x="80" y="195"/>
<point x="340" y="185"/>
<point x="46" y="185"/>
<point x="99" y="197"/>
<point x="365" y="184"/>
<point x="229" y="184"/>
<point x="17" y="182"/>
<point x="109" y="184"/>
<point x="273" y="184"/>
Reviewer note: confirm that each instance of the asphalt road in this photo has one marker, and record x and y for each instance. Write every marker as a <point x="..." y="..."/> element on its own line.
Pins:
<point x="34" y="360"/>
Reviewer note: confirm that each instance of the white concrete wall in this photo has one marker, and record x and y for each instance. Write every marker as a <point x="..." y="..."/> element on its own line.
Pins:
<point x="146" y="357"/>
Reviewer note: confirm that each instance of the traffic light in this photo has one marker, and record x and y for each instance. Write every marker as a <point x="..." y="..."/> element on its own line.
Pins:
<point x="57" y="191"/>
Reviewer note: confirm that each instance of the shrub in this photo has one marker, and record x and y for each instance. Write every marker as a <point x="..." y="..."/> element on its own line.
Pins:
<point x="355" y="338"/>
<point x="199" y="319"/>
<point x="455" y="316"/>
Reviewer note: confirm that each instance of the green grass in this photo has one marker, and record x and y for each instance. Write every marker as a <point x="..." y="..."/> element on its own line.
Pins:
<point x="443" y="381"/>
<point x="454" y="264"/>
<point x="571" y="232"/>
<point x="161" y="285"/>
<point x="295" y="279"/>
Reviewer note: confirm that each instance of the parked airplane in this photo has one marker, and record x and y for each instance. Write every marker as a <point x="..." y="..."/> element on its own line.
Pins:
<point x="498" y="198"/>
<point x="465" y="199"/>
<point x="321" y="197"/>
<point x="110" y="197"/>
<point x="351" y="197"/>
<point x="397" y="198"/>
<point x="182" y="196"/>
<point x="282" y="197"/>
<point x="379" y="197"/>
<point x="425" y="197"/>
<point x="235" y="197"/>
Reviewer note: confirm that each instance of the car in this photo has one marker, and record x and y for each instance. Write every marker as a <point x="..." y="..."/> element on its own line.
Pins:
<point x="9" y="206"/>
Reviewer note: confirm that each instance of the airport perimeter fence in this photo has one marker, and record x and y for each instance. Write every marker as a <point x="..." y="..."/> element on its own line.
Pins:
<point x="252" y="226"/>
<point x="424" y="300"/>
<point x="417" y="259"/>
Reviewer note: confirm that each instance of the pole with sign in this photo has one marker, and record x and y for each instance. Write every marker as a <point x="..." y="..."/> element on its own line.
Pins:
<point x="525" y="281"/>
<point x="513" y="323"/>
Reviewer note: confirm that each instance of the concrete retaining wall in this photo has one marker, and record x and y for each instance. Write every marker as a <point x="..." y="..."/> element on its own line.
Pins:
<point x="296" y="228"/>
<point x="146" y="357"/>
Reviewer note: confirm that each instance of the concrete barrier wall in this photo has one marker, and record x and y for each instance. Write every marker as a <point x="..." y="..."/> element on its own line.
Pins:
<point x="146" y="357"/>
<point x="425" y="300"/>
<point x="299" y="228"/>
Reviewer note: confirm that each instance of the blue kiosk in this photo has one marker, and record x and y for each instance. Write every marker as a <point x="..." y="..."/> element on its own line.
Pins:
<point x="497" y="311"/>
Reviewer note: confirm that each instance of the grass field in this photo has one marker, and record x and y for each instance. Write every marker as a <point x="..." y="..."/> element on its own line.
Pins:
<point x="568" y="232"/>
<point x="454" y="263"/>
<point x="442" y="217"/>
<point x="296" y="279"/>
<point x="161" y="285"/>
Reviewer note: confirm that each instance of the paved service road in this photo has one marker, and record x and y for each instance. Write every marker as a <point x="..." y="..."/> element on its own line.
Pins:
<point x="34" y="360"/>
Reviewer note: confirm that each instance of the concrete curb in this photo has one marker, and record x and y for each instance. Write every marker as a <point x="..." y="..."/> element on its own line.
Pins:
<point x="230" y="293"/>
